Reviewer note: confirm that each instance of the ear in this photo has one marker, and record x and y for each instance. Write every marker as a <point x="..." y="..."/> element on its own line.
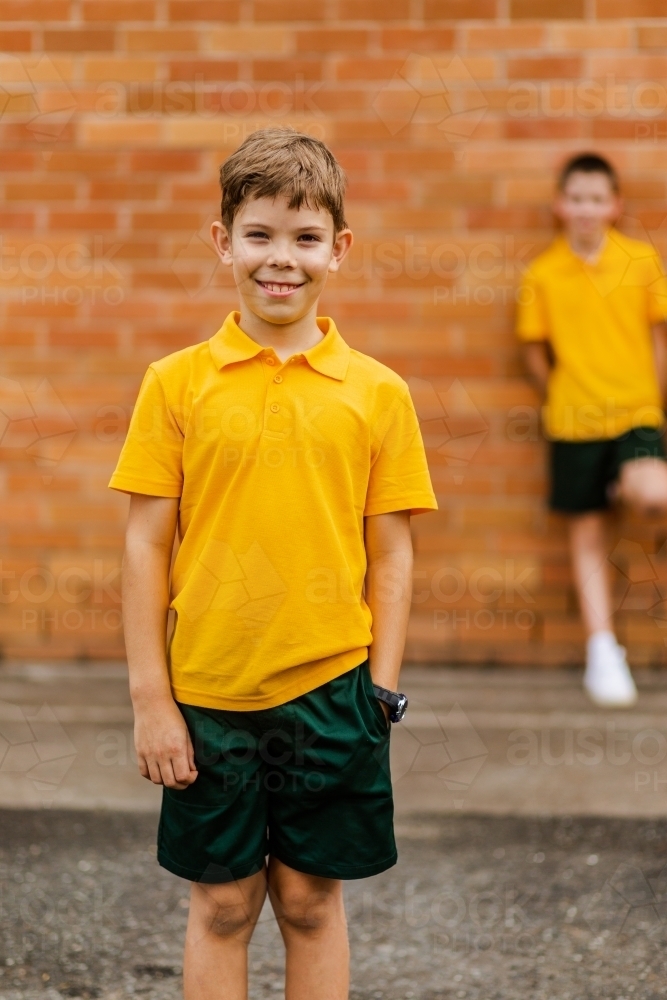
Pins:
<point x="222" y="241"/>
<point x="341" y="248"/>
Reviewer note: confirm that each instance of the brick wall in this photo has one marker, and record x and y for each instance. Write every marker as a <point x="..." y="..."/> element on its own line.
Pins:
<point x="449" y="117"/>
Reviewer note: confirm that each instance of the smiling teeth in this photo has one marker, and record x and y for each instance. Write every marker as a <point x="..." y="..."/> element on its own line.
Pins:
<point x="277" y="288"/>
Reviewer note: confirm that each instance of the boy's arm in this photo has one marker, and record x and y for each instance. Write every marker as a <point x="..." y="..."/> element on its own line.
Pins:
<point x="659" y="337"/>
<point x="388" y="592"/>
<point x="539" y="362"/>
<point x="164" y="748"/>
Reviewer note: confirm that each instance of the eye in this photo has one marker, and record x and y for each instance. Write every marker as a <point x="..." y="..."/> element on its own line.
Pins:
<point x="257" y="234"/>
<point x="309" y="238"/>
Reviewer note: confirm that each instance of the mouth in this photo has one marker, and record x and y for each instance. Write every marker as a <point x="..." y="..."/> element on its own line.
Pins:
<point x="279" y="289"/>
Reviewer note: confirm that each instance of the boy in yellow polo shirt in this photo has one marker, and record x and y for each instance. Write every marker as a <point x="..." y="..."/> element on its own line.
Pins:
<point x="288" y="465"/>
<point x="592" y="317"/>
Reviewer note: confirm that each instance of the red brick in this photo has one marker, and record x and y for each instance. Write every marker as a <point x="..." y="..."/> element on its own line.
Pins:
<point x="454" y="10"/>
<point x="652" y="37"/>
<point x="159" y="40"/>
<point x="18" y="159"/>
<point x="202" y="69"/>
<point x="15" y="41"/>
<point x="549" y="9"/>
<point x="650" y="68"/>
<point x="84" y="220"/>
<point x="546" y="128"/>
<point x="117" y="190"/>
<point x="508" y="219"/>
<point x="514" y="36"/>
<point x="544" y="68"/>
<point x="377" y="191"/>
<point x="286" y="70"/>
<point x="196" y="190"/>
<point x="82" y="161"/>
<point x="172" y="220"/>
<point x="331" y="40"/>
<point x="74" y="40"/>
<point x="39" y="191"/>
<point x="613" y="128"/>
<point x="418" y="39"/>
<point x="640" y="8"/>
<point x="205" y="10"/>
<point x="297" y="10"/>
<point x="367" y="69"/>
<point x="35" y="10"/>
<point x="407" y="161"/>
<point x="164" y="160"/>
<point x="118" y="10"/>
<point x="17" y="219"/>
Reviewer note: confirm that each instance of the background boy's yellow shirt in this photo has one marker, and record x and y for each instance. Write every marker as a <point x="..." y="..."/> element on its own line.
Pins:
<point x="276" y="465"/>
<point x="597" y="318"/>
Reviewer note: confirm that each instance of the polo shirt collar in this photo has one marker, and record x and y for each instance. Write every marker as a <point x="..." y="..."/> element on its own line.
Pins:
<point x="330" y="356"/>
<point x="611" y="250"/>
<point x="230" y="344"/>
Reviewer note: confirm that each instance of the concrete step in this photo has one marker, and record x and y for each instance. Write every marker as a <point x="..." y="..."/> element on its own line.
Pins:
<point x="495" y="741"/>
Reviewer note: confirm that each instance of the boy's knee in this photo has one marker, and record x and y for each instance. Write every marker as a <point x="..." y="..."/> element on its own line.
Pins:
<point x="229" y="921"/>
<point x="648" y="497"/>
<point x="307" y="911"/>
<point x="221" y="917"/>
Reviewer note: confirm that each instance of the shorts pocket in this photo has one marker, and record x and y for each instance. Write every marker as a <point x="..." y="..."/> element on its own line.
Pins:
<point x="371" y="698"/>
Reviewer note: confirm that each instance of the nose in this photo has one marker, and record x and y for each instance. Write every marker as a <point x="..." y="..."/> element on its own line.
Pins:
<point x="281" y="255"/>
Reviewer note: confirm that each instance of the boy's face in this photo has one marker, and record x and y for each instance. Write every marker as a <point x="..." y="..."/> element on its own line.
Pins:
<point x="280" y="256"/>
<point x="587" y="205"/>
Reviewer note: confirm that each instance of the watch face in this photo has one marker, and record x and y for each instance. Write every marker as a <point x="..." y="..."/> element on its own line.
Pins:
<point x="400" y="709"/>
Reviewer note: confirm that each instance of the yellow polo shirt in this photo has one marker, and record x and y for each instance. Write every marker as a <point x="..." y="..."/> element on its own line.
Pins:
<point x="597" y="318"/>
<point x="276" y="465"/>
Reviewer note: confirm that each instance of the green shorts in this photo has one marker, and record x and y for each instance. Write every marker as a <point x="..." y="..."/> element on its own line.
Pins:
<point x="582" y="471"/>
<point x="307" y="782"/>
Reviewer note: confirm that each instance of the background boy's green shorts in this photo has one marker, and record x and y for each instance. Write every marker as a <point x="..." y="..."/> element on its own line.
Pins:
<point x="582" y="471"/>
<point x="307" y="782"/>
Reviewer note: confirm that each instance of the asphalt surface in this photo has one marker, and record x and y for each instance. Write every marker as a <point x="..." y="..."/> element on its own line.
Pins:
<point x="477" y="908"/>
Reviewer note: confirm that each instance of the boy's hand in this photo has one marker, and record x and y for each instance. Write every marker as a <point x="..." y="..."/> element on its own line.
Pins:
<point x="164" y="748"/>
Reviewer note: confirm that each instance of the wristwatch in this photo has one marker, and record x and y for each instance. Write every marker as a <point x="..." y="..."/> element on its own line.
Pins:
<point x="397" y="702"/>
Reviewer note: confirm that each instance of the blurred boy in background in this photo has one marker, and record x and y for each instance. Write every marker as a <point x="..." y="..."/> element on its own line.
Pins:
<point x="592" y="318"/>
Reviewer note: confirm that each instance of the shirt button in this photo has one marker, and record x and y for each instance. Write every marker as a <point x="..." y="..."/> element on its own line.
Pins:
<point x="278" y="378"/>
<point x="274" y="407"/>
<point x="270" y="361"/>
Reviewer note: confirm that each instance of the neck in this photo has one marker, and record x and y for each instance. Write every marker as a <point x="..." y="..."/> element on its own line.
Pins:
<point x="586" y="245"/>
<point x="285" y="338"/>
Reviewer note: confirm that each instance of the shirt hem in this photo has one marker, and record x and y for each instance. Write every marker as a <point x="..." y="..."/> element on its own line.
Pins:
<point x="531" y="337"/>
<point x="146" y="489"/>
<point x="617" y="431"/>
<point x="416" y="505"/>
<point x="201" y="699"/>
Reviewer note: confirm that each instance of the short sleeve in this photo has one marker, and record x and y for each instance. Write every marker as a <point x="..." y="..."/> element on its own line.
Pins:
<point x="532" y="321"/>
<point x="657" y="293"/>
<point x="399" y="477"/>
<point x="151" y="459"/>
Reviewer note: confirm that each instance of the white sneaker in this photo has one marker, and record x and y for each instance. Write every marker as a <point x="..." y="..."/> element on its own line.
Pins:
<point x="607" y="678"/>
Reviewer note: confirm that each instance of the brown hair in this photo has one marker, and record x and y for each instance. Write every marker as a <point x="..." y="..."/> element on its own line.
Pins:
<point x="282" y="161"/>
<point x="588" y="163"/>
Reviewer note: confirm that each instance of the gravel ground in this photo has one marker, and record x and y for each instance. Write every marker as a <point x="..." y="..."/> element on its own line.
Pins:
<point x="478" y="908"/>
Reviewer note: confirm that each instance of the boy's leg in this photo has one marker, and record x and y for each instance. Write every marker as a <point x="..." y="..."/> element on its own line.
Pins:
<point x="311" y="915"/>
<point x="588" y="551"/>
<point x="220" y="925"/>
<point x="607" y="679"/>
